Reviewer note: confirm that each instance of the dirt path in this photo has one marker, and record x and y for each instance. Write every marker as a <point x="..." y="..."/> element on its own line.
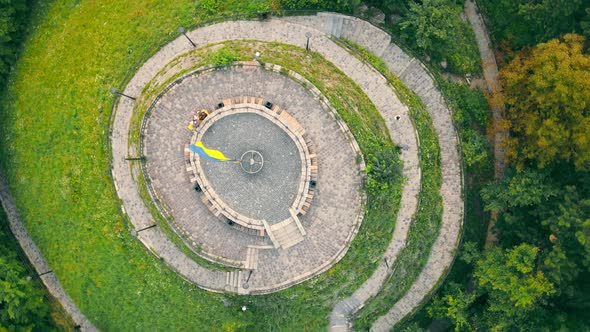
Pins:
<point x="490" y="73"/>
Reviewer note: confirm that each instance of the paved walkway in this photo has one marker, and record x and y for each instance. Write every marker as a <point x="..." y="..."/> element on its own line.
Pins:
<point x="413" y="74"/>
<point x="36" y="258"/>
<point x="292" y="30"/>
<point x="490" y="73"/>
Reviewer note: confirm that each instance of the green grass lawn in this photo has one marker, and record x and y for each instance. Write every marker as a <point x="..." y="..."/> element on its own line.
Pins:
<point x="55" y="151"/>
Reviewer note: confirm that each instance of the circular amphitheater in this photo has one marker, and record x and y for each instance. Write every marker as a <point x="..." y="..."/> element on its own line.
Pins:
<point x="288" y="204"/>
<point x="291" y="219"/>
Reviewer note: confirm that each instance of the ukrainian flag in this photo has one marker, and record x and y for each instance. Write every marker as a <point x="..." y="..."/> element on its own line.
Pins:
<point x="202" y="151"/>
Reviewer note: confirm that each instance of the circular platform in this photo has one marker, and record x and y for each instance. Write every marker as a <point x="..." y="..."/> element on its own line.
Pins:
<point x="272" y="182"/>
<point x="311" y="193"/>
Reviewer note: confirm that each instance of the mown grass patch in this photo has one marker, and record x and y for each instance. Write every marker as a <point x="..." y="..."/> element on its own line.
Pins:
<point x="426" y="224"/>
<point x="54" y="149"/>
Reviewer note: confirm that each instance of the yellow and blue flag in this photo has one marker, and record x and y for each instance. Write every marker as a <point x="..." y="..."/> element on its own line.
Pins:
<point x="202" y="151"/>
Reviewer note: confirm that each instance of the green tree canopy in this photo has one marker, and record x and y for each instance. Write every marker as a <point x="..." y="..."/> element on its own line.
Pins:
<point x="549" y="208"/>
<point x="509" y="292"/>
<point x="519" y="189"/>
<point x="513" y="282"/>
<point x="11" y="20"/>
<point x="22" y="304"/>
<point x="436" y="28"/>
<point x="547" y="92"/>
<point x="528" y="22"/>
<point x="453" y="305"/>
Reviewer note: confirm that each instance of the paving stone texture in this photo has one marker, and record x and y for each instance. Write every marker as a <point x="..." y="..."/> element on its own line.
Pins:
<point x="270" y="192"/>
<point x="292" y="30"/>
<point x="336" y="204"/>
<point x="413" y="74"/>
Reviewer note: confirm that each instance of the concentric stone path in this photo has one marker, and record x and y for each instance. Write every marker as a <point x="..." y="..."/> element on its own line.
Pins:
<point x="409" y="70"/>
<point x="413" y="75"/>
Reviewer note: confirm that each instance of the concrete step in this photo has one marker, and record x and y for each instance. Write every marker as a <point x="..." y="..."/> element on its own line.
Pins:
<point x="251" y="262"/>
<point x="232" y="280"/>
<point x="339" y="328"/>
<point x="293" y="241"/>
<point x="288" y="232"/>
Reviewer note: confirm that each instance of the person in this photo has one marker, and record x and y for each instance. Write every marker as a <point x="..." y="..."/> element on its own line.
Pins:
<point x="192" y="126"/>
<point x="202" y="115"/>
<point x="197" y="119"/>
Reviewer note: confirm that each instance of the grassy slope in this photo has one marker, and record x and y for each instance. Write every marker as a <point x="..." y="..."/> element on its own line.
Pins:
<point x="426" y="224"/>
<point x="56" y="317"/>
<point x="54" y="151"/>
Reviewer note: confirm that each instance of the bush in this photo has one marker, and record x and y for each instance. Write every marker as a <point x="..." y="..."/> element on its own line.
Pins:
<point x="384" y="168"/>
<point x="223" y="57"/>
<point x="12" y="18"/>
<point x="475" y="147"/>
<point x="337" y="5"/>
<point x="472" y="116"/>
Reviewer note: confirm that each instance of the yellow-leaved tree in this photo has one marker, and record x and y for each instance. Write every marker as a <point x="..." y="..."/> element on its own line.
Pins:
<point x="547" y="91"/>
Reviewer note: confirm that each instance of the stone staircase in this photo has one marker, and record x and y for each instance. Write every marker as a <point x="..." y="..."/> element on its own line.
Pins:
<point x="251" y="262"/>
<point x="288" y="235"/>
<point x="285" y="234"/>
<point x="233" y="281"/>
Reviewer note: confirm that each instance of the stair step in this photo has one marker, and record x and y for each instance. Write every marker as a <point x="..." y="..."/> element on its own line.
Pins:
<point x="251" y="259"/>
<point x="287" y="234"/>
<point x="293" y="241"/>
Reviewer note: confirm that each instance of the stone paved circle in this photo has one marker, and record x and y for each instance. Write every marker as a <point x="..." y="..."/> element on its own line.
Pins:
<point x="329" y="224"/>
<point x="267" y="193"/>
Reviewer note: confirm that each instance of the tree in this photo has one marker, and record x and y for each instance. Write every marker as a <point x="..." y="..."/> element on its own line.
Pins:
<point x="514" y="284"/>
<point x="550" y="209"/>
<point x="547" y="92"/>
<point x="569" y="227"/>
<point x="525" y="22"/>
<point x="22" y="302"/>
<point x="11" y="21"/>
<point x="436" y="29"/>
<point x="528" y="188"/>
<point x="22" y="305"/>
<point x="453" y="305"/>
